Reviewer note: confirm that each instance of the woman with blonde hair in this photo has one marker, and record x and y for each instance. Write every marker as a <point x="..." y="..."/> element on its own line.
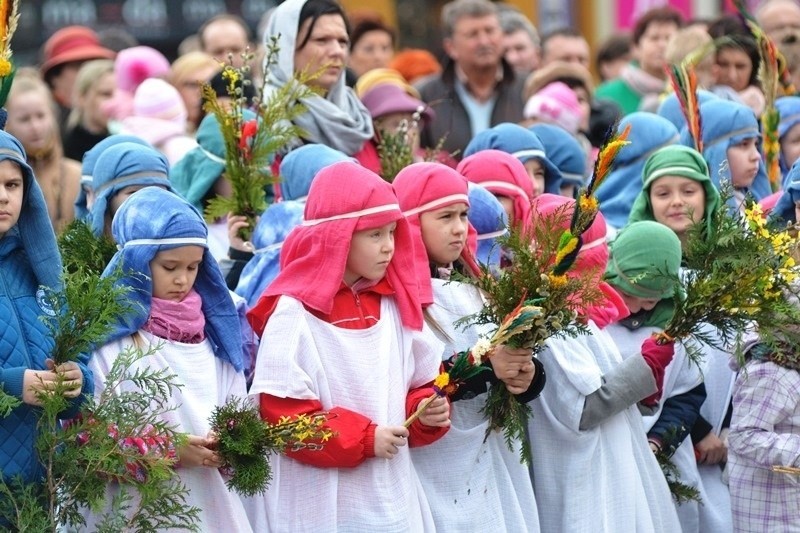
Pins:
<point x="32" y="120"/>
<point x="187" y="74"/>
<point x="87" y="124"/>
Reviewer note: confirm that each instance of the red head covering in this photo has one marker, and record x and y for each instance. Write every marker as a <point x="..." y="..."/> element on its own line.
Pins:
<point x="344" y="198"/>
<point x="593" y="256"/>
<point x="501" y="174"/>
<point x="424" y="187"/>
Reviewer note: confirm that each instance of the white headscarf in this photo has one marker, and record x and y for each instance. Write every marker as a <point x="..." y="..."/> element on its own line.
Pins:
<point x="338" y="119"/>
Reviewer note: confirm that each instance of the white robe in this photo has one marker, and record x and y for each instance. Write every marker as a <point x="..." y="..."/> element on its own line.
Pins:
<point x="680" y="376"/>
<point x="483" y="487"/>
<point x="604" y="479"/>
<point x="369" y="371"/>
<point x="207" y="382"/>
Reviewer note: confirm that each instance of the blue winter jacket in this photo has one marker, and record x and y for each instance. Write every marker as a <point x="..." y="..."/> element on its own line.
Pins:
<point x="24" y="344"/>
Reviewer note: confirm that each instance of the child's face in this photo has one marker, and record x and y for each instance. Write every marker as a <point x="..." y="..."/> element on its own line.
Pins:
<point x="444" y="232"/>
<point x="636" y="304"/>
<point x="790" y="145"/>
<point x="743" y="161"/>
<point x="536" y="173"/>
<point x="174" y="271"/>
<point x="116" y="202"/>
<point x="30" y="120"/>
<point x="677" y="202"/>
<point x="371" y="251"/>
<point x="10" y="195"/>
<point x="733" y="68"/>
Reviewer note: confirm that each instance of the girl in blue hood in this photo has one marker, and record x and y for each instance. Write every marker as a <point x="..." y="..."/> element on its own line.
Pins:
<point x="29" y="261"/>
<point x="789" y="131"/>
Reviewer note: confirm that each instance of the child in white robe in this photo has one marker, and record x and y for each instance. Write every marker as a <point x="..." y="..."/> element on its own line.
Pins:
<point x="341" y="333"/>
<point x="184" y="308"/>
<point x="486" y="487"/>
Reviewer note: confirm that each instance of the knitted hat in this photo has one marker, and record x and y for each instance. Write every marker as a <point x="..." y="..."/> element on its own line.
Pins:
<point x="555" y="104"/>
<point x="489" y="218"/>
<point x="380" y="76"/>
<point x="301" y="165"/>
<point x="645" y="262"/>
<point x="564" y="151"/>
<point x="557" y="71"/>
<point x="131" y="67"/>
<point x="72" y="43"/>
<point x="33" y="227"/>
<point x="159" y="112"/>
<point x="120" y="166"/>
<point x="88" y="163"/>
<point x="415" y="63"/>
<point x="623" y="184"/>
<point x="153" y="220"/>
<point x="197" y="171"/>
<point x="680" y="161"/>
<point x="522" y="144"/>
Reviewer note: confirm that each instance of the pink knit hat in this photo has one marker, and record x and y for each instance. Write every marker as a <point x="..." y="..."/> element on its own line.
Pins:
<point x="158" y="112"/>
<point x="556" y="104"/>
<point x="131" y="67"/>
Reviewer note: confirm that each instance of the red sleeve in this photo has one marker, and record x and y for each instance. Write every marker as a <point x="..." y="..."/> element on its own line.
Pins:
<point x="355" y="434"/>
<point x="418" y="433"/>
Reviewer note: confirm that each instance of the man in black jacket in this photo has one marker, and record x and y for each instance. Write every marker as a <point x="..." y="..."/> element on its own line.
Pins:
<point x="477" y="89"/>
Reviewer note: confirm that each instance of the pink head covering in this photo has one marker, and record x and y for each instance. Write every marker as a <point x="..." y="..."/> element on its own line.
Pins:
<point x="344" y="198"/>
<point x="424" y="187"/>
<point x="501" y="174"/>
<point x="592" y="257"/>
<point x="556" y="104"/>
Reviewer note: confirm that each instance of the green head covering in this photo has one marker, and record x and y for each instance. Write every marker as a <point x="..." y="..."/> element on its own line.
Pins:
<point x="645" y="261"/>
<point x="680" y="161"/>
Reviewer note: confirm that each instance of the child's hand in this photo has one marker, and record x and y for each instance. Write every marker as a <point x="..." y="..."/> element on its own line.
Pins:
<point x="388" y="439"/>
<point x="197" y="452"/>
<point x="711" y="450"/>
<point x="521" y="383"/>
<point x="437" y="414"/>
<point x="72" y="375"/>
<point x="35" y="382"/>
<point x="507" y="362"/>
<point x="235" y="223"/>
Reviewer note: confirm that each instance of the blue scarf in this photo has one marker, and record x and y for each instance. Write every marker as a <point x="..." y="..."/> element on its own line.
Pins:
<point x="671" y="110"/>
<point x="522" y="144"/>
<point x="300" y="166"/>
<point x="789" y="109"/>
<point x="784" y="208"/>
<point x="616" y="194"/>
<point x="87" y="168"/>
<point x="489" y="218"/>
<point x="120" y="166"/>
<point x="564" y="151"/>
<point x="154" y="214"/>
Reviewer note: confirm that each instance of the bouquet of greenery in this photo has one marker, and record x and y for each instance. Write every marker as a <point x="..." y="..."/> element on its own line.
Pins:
<point x="251" y="144"/>
<point x="737" y="277"/>
<point x="117" y="437"/>
<point x="538" y="282"/>
<point x="245" y="441"/>
<point x="82" y="250"/>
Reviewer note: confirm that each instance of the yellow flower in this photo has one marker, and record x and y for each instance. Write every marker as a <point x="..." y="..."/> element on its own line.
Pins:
<point x="442" y="381"/>
<point x="557" y="281"/>
<point x="231" y="75"/>
<point x="588" y="203"/>
<point x="5" y="67"/>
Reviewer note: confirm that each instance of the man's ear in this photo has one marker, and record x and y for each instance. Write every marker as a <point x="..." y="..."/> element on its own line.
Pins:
<point x="447" y="44"/>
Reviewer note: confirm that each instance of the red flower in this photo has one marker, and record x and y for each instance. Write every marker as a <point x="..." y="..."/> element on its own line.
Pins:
<point x="249" y="130"/>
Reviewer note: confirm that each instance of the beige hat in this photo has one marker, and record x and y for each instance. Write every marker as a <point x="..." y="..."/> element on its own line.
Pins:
<point x="557" y="71"/>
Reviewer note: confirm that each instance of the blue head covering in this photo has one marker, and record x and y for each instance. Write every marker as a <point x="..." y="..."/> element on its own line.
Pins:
<point x="726" y="124"/>
<point x="616" y="194"/>
<point x="272" y="229"/>
<point x="522" y="144"/>
<point x="33" y="227"/>
<point x="670" y="108"/>
<point x="195" y="173"/>
<point x="784" y="208"/>
<point x="789" y="109"/>
<point x="489" y="218"/>
<point x="153" y="220"/>
<point x="120" y="166"/>
<point x="564" y="151"/>
<point x="300" y="166"/>
<point x="90" y="160"/>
